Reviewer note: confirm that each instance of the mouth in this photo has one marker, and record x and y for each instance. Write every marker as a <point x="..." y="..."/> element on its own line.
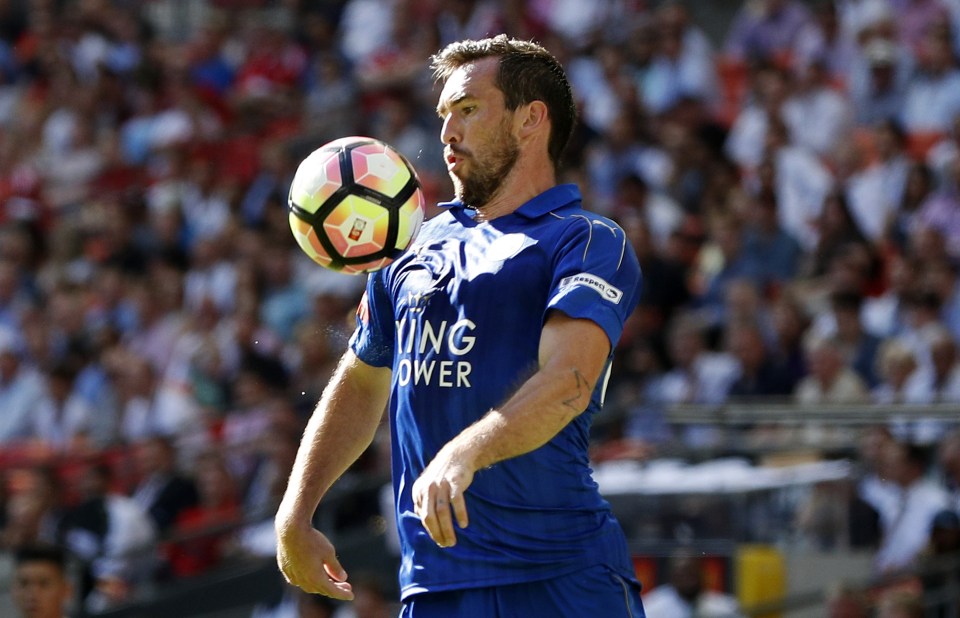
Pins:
<point x="453" y="159"/>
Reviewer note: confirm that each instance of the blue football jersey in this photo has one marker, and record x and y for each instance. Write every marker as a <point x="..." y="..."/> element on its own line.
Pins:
<point x="458" y="318"/>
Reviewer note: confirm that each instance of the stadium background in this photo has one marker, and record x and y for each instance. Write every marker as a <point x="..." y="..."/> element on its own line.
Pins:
<point x="789" y="182"/>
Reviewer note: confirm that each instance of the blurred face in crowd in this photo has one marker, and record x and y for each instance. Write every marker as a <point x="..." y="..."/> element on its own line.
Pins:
<point x="747" y="346"/>
<point x="686" y="578"/>
<point x="480" y="147"/>
<point x="685" y="346"/>
<point x="40" y="589"/>
<point x="846" y="605"/>
<point x="949" y="455"/>
<point x="825" y="362"/>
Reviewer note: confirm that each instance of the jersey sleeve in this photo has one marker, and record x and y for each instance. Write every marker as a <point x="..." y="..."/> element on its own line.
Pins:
<point x="373" y="339"/>
<point x="596" y="275"/>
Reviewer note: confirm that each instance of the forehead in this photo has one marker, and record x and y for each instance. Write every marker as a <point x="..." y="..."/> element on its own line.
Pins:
<point x="37" y="569"/>
<point x="475" y="80"/>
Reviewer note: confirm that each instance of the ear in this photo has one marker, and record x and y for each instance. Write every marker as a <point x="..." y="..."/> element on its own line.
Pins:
<point x="533" y="117"/>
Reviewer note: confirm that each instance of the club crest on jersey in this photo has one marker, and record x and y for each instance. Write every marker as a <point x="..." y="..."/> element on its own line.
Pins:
<point x="595" y="283"/>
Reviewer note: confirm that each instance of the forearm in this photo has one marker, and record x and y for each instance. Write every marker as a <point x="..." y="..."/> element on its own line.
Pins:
<point x="537" y="412"/>
<point x="341" y="428"/>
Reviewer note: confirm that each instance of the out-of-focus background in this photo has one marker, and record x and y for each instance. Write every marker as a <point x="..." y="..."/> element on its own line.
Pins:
<point x="779" y="436"/>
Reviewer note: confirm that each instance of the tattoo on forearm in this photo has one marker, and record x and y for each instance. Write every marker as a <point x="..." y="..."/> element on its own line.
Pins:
<point x="581" y="384"/>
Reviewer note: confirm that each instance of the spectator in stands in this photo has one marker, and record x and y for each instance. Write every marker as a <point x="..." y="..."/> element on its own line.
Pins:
<point x="14" y="298"/>
<point x="32" y="514"/>
<point x="776" y="253"/>
<point x="941" y="210"/>
<point x="940" y="380"/>
<point x="112" y="537"/>
<point x="896" y="364"/>
<point x="942" y="155"/>
<point x="831" y="380"/>
<point x="685" y="594"/>
<point x="934" y="563"/>
<point x="801" y="181"/>
<point x="846" y="601"/>
<point x="161" y="491"/>
<point x="818" y="116"/>
<point x="623" y="152"/>
<point x="64" y="421"/>
<point x="758" y="378"/>
<point x="933" y="96"/>
<point x="790" y="323"/>
<point x="468" y="19"/>
<point x="916" y="18"/>
<point x="902" y="222"/>
<point x="660" y="213"/>
<point x="824" y="40"/>
<point x="836" y="231"/>
<point x="697" y="376"/>
<point x="907" y="513"/>
<point x="941" y="277"/>
<point x="22" y="389"/>
<point x="202" y="535"/>
<point x="875" y="192"/>
<point x="886" y="315"/>
<point x="747" y="140"/>
<point x="879" y="88"/>
<point x="683" y="66"/>
<point x="948" y="458"/>
<point x="901" y="604"/>
<point x="41" y="585"/>
<point x="766" y="30"/>
<point x="858" y="347"/>
<point x="722" y="262"/>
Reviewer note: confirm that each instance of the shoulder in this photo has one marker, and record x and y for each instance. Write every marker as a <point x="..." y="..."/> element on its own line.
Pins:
<point x="580" y="222"/>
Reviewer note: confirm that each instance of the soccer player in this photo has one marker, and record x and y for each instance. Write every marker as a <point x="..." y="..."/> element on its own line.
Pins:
<point x="491" y="339"/>
<point x="41" y="588"/>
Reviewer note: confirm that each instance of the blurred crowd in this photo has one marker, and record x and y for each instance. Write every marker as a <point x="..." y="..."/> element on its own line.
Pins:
<point x="791" y="186"/>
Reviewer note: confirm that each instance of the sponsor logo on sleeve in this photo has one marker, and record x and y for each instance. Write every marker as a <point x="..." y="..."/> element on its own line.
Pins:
<point x="595" y="283"/>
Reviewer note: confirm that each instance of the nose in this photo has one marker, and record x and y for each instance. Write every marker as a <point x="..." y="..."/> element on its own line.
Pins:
<point x="450" y="132"/>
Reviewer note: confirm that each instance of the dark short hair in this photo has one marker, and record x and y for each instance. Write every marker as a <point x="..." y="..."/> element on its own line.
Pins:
<point x="527" y="73"/>
<point x="50" y="554"/>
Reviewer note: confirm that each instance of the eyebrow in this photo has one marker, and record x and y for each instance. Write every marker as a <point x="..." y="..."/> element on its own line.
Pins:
<point x="442" y="107"/>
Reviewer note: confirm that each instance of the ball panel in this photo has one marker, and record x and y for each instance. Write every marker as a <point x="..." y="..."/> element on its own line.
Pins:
<point x="409" y="219"/>
<point x="357" y="227"/>
<point x="379" y="168"/>
<point x="366" y="267"/>
<point x="316" y="180"/>
<point x="308" y="241"/>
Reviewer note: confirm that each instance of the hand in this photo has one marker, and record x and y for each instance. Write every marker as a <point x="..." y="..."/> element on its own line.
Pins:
<point x="438" y="490"/>
<point x="308" y="560"/>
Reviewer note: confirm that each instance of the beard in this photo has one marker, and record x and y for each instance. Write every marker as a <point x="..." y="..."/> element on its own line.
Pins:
<point x="479" y="186"/>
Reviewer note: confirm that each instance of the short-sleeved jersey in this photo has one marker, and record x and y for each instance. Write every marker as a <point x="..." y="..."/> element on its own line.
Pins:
<point x="458" y="318"/>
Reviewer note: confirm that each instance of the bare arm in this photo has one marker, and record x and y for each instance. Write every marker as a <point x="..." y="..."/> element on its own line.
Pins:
<point x="573" y="353"/>
<point x="341" y="428"/>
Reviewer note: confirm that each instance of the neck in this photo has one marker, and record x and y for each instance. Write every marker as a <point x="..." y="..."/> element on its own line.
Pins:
<point x="528" y="179"/>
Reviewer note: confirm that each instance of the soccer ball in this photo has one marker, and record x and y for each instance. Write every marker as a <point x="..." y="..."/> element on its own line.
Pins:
<point x="355" y="205"/>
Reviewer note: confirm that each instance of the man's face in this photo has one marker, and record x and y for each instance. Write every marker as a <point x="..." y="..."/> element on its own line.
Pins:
<point x="481" y="149"/>
<point x="40" y="590"/>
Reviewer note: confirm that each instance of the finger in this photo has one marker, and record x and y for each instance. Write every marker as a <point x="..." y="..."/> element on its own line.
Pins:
<point x="444" y="517"/>
<point x="333" y="568"/>
<point x="429" y="516"/>
<point x="459" y="505"/>
<point x="328" y="587"/>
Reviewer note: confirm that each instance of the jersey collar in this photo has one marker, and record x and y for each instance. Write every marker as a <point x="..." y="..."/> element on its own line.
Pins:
<point x="552" y="199"/>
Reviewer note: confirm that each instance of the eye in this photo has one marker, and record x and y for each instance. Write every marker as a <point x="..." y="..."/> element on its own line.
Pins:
<point x="468" y="109"/>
